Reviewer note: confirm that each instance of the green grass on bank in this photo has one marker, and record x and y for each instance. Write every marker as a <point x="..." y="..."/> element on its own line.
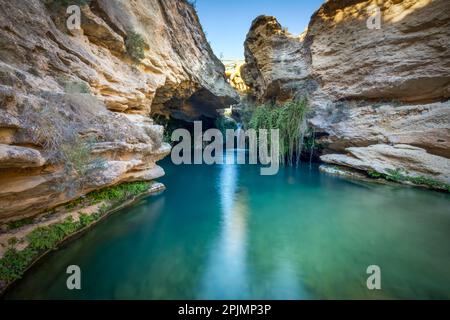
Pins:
<point x="120" y="192"/>
<point x="401" y="176"/>
<point x="19" y="223"/>
<point x="14" y="262"/>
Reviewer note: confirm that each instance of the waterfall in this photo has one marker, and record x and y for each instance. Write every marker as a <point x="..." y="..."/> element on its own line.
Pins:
<point x="240" y="137"/>
<point x="302" y="129"/>
<point x="311" y="151"/>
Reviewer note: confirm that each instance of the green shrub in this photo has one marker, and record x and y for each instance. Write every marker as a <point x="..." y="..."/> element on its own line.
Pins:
<point x="73" y="204"/>
<point x="86" y="220"/>
<point x="19" y="223"/>
<point x="396" y="175"/>
<point x="290" y="119"/>
<point x="57" y="132"/>
<point x="119" y="192"/>
<point x="402" y="176"/>
<point x="374" y="174"/>
<point x="14" y="263"/>
<point x="13" y="241"/>
<point x="429" y="182"/>
<point x="135" y="44"/>
<point x="46" y="238"/>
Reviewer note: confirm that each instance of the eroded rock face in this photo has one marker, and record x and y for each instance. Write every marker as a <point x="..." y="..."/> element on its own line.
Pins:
<point x="59" y="147"/>
<point x="74" y="107"/>
<point x="348" y="124"/>
<point x="20" y="157"/>
<point x="178" y="60"/>
<point x="408" y="59"/>
<point x="365" y="86"/>
<point x="275" y="67"/>
<point x="233" y="72"/>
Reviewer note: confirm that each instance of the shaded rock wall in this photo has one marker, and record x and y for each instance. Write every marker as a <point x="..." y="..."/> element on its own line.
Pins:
<point x="74" y="107"/>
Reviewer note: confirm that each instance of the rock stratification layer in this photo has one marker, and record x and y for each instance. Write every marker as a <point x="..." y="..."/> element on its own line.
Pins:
<point x="407" y="59"/>
<point x="275" y="67"/>
<point x="366" y="86"/>
<point x="75" y="104"/>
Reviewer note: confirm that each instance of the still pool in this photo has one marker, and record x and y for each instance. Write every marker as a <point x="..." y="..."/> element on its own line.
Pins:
<point x="225" y="232"/>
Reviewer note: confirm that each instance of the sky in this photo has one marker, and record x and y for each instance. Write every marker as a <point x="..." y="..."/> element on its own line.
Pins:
<point x="226" y="22"/>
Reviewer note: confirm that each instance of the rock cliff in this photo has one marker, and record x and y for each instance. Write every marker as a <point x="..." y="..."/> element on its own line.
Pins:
<point x="75" y="104"/>
<point x="367" y="87"/>
<point x="233" y="74"/>
<point x="275" y="68"/>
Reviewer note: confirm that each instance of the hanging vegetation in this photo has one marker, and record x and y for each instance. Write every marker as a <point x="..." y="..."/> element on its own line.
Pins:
<point x="290" y="119"/>
<point x="136" y="45"/>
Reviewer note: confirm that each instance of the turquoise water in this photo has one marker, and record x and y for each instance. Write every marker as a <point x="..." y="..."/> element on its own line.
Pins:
<point x="225" y="232"/>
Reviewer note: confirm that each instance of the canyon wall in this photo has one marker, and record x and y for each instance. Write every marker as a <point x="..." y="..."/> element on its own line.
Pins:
<point x="75" y="105"/>
<point x="379" y="98"/>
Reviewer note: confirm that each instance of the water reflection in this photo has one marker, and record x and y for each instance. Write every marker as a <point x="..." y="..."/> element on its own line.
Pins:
<point x="226" y="271"/>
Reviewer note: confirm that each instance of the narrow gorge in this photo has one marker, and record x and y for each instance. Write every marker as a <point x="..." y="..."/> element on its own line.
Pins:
<point x="86" y="123"/>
